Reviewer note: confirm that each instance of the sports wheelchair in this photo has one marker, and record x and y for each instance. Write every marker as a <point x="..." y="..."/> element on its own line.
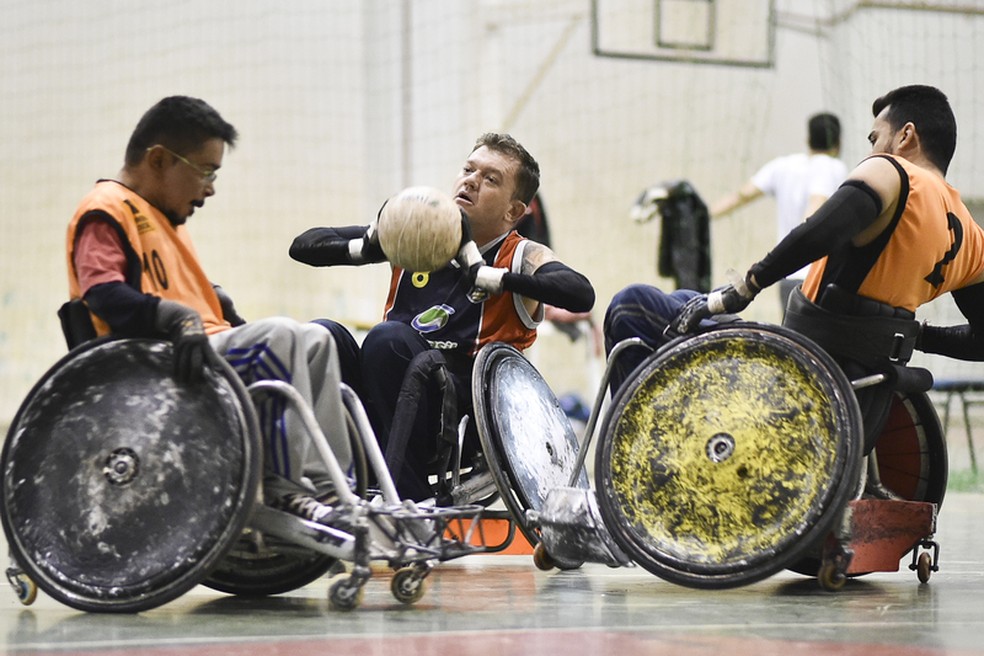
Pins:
<point x="122" y="489"/>
<point x="737" y="452"/>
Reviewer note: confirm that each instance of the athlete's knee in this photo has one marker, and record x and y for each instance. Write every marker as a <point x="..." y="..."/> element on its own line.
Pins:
<point x="387" y="351"/>
<point x="628" y="304"/>
<point x="346" y="347"/>
<point x="343" y="337"/>
<point x="277" y="325"/>
<point x="390" y="335"/>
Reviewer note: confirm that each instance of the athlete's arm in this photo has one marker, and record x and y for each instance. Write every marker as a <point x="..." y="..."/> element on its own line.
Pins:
<point x="100" y="265"/>
<point x="98" y="254"/>
<point x="554" y="283"/>
<point x="857" y="212"/>
<point x="965" y="342"/>
<point x="331" y="246"/>
<point x="127" y="311"/>
<point x="542" y="278"/>
<point x="852" y="209"/>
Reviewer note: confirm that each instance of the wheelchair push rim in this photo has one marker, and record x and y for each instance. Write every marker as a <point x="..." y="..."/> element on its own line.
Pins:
<point x="728" y="454"/>
<point x="527" y="439"/>
<point x="121" y="488"/>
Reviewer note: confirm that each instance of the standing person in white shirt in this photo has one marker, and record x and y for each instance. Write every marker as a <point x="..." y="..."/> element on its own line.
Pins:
<point x="800" y="183"/>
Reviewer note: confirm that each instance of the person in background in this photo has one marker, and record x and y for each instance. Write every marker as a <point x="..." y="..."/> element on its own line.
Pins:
<point x="800" y="183"/>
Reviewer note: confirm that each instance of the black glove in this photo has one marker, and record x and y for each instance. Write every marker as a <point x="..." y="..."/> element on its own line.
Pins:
<point x="724" y="300"/>
<point x="191" y="347"/>
<point x="689" y="317"/>
<point x="228" y="307"/>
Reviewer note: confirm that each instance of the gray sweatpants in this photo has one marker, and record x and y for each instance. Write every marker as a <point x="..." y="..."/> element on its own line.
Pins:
<point x="303" y="355"/>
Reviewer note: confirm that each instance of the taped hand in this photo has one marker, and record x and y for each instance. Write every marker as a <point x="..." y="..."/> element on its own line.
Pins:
<point x="366" y="249"/>
<point x="733" y="298"/>
<point x="371" y="250"/>
<point x="724" y="300"/>
<point x="691" y="314"/>
<point x="483" y="278"/>
<point x="191" y="348"/>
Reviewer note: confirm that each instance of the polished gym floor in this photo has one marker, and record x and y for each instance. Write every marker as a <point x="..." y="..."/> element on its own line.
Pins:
<point x="500" y="605"/>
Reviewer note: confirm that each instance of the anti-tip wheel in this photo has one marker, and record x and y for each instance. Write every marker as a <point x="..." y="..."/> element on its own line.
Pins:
<point x="924" y="567"/>
<point x="343" y="594"/>
<point x="24" y="587"/>
<point x="407" y="585"/>
<point x="830" y="577"/>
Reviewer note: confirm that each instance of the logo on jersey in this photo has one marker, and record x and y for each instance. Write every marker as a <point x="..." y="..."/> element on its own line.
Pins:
<point x="478" y="295"/>
<point x="143" y="224"/>
<point x="432" y="319"/>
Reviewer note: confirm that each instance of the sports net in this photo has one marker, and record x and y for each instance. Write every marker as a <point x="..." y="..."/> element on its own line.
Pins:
<point x="340" y="104"/>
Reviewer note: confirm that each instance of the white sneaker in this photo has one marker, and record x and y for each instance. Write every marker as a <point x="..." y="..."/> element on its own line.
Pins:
<point x="305" y="506"/>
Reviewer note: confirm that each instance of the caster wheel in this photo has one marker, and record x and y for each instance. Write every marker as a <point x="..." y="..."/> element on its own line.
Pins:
<point x="407" y="585"/>
<point x="924" y="567"/>
<point x="542" y="559"/>
<point x="26" y="589"/>
<point x="831" y="578"/>
<point x="343" y="594"/>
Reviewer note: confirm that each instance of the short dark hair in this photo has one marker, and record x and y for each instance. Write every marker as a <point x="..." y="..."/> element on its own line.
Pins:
<point x="825" y="131"/>
<point x="528" y="175"/>
<point x="929" y="110"/>
<point x="179" y="123"/>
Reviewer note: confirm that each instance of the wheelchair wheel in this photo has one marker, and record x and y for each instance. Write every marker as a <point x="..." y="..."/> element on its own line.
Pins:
<point x="911" y="450"/>
<point x="911" y="456"/>
<point x="121" y="487"/>
<point x="527" y="439"/>
<point x="728" y="454"/>
<point x="260" y="566"/>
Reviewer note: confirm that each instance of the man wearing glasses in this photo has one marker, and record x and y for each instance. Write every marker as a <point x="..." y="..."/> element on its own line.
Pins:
<point x="131" y="261"/>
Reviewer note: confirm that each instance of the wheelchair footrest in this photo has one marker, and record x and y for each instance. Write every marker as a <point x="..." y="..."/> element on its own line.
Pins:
<point x="431" y="532"/>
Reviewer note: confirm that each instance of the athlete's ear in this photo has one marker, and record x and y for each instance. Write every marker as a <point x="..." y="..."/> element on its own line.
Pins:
<point x="908" y="134"/>
<point x="908" y="141"/>
<point x="155" y="157"/>
<point x="517" y="210"/>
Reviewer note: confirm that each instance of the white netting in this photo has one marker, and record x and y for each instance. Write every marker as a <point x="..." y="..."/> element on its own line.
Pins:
<point x="340" y="104"/>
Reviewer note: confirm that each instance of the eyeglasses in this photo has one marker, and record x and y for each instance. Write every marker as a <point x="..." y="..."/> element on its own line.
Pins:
<point x="208" y="175"/>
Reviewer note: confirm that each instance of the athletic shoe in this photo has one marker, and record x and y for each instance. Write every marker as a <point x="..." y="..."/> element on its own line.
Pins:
<point x="305" y="506"/>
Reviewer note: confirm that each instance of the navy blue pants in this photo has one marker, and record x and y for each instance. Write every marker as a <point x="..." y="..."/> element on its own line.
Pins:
<point x="641" y="311"/>
<point x="387" y="351"/>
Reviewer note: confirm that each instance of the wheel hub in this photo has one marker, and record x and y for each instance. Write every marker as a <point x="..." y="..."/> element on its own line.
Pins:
<point x="121" y="467"/>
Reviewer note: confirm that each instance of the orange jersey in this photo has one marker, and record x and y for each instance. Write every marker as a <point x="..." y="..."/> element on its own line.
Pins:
<point x="439" y="307"/>
<point x="932" y="246"/>
<point x="169" y="266"/>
